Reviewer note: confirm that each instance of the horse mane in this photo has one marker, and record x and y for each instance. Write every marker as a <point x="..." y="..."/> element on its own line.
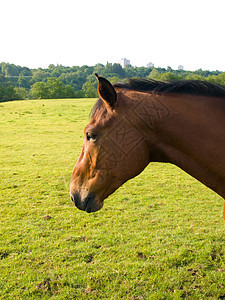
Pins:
<point x="193" y="87"/>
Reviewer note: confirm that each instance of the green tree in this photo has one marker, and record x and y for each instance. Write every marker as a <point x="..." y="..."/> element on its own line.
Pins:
<point x="117" y="69"/>
<point x="79" y="94"/>
<point x="23" y="82"/>
<point x="52" y="89"/>
<point x="194" y="77"/>
<point x="8" y="93"/>
<point x="114" y="79"/>
<point x="100" y="69"/>
<point x="39" y="75"/>
<point x="130" y="71"/>
<point x="21" y="92"/>
<point x="26" y="72"/>
<point x="69" y="92"/>
<point x="90" y="90"/>
<point x="3" y="80"/>
<point x="154" y="74"/>
<point x="39" y="91"/>
<point x="220" y="79"/>
<point x="71" y="79"/>
<point x="55" y="88"/>
<point x="168" y="76"/>
<point x="10" y="70"/>
<point x="81" y="82"/>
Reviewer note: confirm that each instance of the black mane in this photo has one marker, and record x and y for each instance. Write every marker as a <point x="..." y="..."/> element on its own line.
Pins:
<point x="193" y="87"/>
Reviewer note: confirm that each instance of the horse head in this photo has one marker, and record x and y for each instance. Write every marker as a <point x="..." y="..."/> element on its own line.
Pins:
<point x="114" y="150"/>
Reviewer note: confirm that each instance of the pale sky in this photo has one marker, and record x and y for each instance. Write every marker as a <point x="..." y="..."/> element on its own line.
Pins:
<point x="36" y="33"/>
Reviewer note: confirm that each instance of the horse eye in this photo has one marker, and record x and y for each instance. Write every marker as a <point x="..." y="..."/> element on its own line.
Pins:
<point x="91" y="136"/>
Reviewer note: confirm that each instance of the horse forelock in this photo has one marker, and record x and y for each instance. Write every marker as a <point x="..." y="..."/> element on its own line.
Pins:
<point x="99" y="114"/>
<point x="98" y="108"/>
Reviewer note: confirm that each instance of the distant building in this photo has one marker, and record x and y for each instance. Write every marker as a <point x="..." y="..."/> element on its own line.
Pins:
<point x="123" y="62"/>
<point x="180" y="67"/>
<point x="150" y="65"/>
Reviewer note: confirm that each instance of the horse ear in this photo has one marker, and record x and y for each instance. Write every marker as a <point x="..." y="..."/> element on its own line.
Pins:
<point x="106" y="91"/>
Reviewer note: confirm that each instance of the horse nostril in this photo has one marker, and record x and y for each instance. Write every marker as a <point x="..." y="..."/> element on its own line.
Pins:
<point x="71" y="196"/>
<point x="74" y="197"/>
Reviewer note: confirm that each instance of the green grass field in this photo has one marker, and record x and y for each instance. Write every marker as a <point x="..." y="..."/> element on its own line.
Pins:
<point x="160" y="236"/>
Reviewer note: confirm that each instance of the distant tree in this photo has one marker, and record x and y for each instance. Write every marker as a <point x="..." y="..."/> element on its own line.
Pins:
<point x="90" y="90"/>
<point x="169" y="76"/>
<point x="39" y="91"/>
<point x="130" y="71"/>
<point x="194" y="77"/>
<point x="87" y="70"/>
<point x="154" y="74"/>
<point x="52" y="89"/>
<point x="51" y="67"/>
<point x="25" y="72"/>
<point x="23" y="82"/>
<point x="72" y="79"/>
<point x="99" y="69"/>
<point x="69" y="92"/>
<point x="79" y="94"/>
<point x="8" y="93"/>
<point x="39" y="75"/>
<point x="117" y="69"/>
<point x="219" y="79"/>
<point x="21" y="92"/>
<point x="10" y="69"/>
<point x="55" y="88"/>
<point x="80" y="81"/>
<point x="3" y="80"/>
<point x="114" y="79"/>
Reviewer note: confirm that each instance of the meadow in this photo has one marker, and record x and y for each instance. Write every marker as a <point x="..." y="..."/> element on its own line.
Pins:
<point x="160" y="236"/>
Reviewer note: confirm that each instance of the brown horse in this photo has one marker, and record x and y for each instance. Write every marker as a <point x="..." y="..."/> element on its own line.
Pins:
<point x="143" y="121"/>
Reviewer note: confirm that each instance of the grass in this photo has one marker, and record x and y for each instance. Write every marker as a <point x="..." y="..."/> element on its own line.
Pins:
<point x="160" y="236"/>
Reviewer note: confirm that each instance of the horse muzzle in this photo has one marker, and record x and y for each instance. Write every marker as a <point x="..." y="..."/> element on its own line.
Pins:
<point x="88" y="203"/>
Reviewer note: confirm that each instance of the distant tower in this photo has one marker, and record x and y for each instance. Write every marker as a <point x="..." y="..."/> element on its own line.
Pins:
<point x="150" y="65"/>
<point x="180" y="67"/>
<point x="123" y="62"/>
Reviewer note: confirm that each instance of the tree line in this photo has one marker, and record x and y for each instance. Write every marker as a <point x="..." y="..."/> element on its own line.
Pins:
<point x="57" y="81"/>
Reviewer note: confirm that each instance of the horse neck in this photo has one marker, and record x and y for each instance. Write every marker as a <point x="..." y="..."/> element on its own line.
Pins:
<point x="187" y="130"/>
